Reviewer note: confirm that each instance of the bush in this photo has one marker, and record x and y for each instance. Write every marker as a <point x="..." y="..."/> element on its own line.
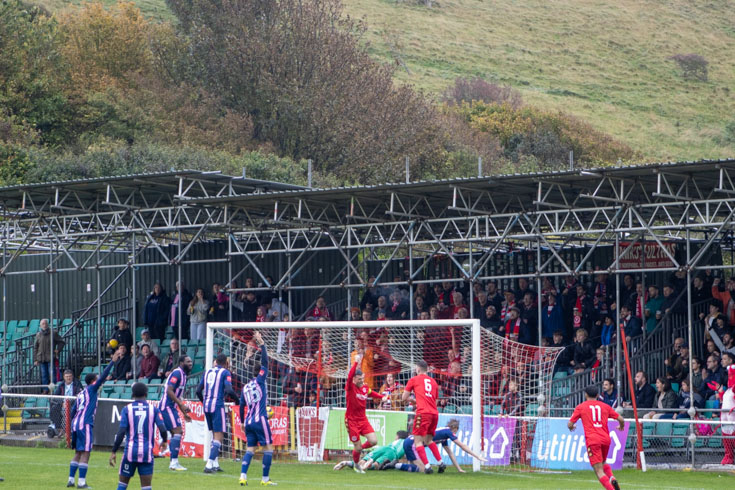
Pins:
<point x="477" y="89"/>
<point x="693" y="66"/>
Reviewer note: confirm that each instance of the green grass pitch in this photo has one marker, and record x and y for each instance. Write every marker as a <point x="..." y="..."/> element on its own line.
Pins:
<point x="48" y="469"/>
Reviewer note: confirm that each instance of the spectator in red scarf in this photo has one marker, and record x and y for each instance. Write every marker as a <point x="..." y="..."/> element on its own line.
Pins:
<point x="320" y="310"/>
<point x="512" y="327"/>
<point x="510" y="302"/>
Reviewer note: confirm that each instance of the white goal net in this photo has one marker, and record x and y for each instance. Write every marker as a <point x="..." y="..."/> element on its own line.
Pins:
<point x="495" y="388"/>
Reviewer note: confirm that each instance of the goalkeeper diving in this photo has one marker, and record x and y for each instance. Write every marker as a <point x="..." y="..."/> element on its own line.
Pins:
<point x="379" y="455"/>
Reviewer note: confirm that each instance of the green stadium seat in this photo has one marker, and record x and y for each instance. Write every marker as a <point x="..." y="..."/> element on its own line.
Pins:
<point x="450" y="409"/>
<point x="560" y="375"/>
<point x="465" y="409"/>
<point x="531" y="410"/>
<point x="197" y="368"/>
<point x="662" y="429"/>
<point x="675" y="387"/>
<point x="715" y="441"/>
<point x="166" y="342"/>
<point x="648" y="429"/>
<point x="34" y="325"/>
<point x="679" y="430"/>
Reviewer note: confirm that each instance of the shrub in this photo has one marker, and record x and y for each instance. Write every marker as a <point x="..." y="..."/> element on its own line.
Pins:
<point x="693" y="66"/>
<point x="477" y="89"/>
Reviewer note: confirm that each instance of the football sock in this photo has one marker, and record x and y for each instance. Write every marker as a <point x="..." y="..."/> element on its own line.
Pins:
<point x="606" y="483"/>
<point x="175" y="446"/>
<point x="145" y="488"/>
<point x="421" y="451"/>
<point x="73" y="470"/>
<point x="435" y="451"/>
<point x="82" y="473"/>
<point x="407" y="467"/>
<point x="367" y="444"/>
<point x="216" y="460"/>
<point x="267" y="460"/>
<point x="608" y="470"/>
<point x="246" y="464"/>
<point x="355" y="456"/>
<point x="121" y="486"/>
<point x="213" y="453"/>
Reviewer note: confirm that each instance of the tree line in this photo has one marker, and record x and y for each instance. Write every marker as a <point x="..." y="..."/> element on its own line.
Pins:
<point x="255" y="84"/>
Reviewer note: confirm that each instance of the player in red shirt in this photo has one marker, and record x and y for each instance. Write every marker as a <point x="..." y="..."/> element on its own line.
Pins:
<point x="594" y="415"/>
<point x="355" y="419"/>
<point x="426" y="392"/>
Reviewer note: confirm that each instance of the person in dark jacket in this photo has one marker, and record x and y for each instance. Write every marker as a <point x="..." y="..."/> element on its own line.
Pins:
<point x="529" y="318"/>
<point x="552" y="317"/>
<point x="584" y="352"/>
<point x="665" y="399"/>
<point x="632" y="325"/>
<point x="491" y="320"/>
<point x="644" y="393"/>
<point x="609" y="394"/>
<point x="185" y="298"/>
<point x="42" y="355"/>
<point x="156" y="312"/>
<point x="123" y="368"/>
<point x="122" y="333"/>
<point x="70" y="386"/>
<point x="586" y="306"/>
<point x="563" y="362"/>
<point x="219" y="304"/>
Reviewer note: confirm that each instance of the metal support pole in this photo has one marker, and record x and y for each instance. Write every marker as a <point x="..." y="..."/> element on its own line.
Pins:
<point x="692" y="409"/>
<point x="643" y="286"/>
<point x="410" y="294"/>
<point x="408" y="170"/>
<point x="476" y="437"/>
<point x="134" y="319"/>
<point x="52" y="254"/>
<point x="471" y="295"/>
<point x="5" y="310"/>
<point x="539" y="306"/>
<point x="229" y="271"/>
<point x="479" y="166"/>
<point x="308" y="173"/>
<point x="618" y="347"/>
<point x="350" y="268"/>
<point x="179" y="309"/>
<point x="99" y="335"/>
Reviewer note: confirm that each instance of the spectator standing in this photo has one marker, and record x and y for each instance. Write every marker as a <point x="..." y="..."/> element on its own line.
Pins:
<point x="632" y="325"/>
<point x="491" y="319"/>
<point x="586" y="308"/>
<point x="156" y="312"/>
<point x="42" y="355"/>
<point x="725" y="297"/>
<point x="700" y="291"/>
<point x="529" y="319"/>
<point x="219" y="304"/>
<point x="184" y="297"/>
<point x="198" y="311"/>
<point x="69" y="386"/>
<point x="653" y="311"/>
<point x="552" y="318"/>
<point x="698" y="374"/>
<point x="370" y="295"/>
<point x="493" y="295"/>
<point x="122" y="333"/>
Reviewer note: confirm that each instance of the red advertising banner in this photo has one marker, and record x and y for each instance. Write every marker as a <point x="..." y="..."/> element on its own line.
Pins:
<point x="192" y="442"/>
<point x="655" y="256"/>
<point x="278" y="423"/>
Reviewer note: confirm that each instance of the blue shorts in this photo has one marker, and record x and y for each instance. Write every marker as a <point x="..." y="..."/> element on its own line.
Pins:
<point x="82" y="439"/>
<point x="216" y="421"/>
<point x="409" y="447"/>
<point x="259" y="432"/>
<point x="127" y="468"/>
<point x="171" y="418"/>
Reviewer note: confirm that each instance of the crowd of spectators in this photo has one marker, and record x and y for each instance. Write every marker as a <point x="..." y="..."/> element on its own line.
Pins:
<point x="577" y="317"/>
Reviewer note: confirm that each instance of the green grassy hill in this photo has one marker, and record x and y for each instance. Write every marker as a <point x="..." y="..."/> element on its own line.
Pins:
<point x="606" y="62"/>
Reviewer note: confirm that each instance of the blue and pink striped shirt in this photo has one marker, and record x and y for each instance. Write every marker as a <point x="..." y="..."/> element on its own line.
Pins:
<point x="140" y="419"/>
<point x="85" y="406"/>
<point x="254" y="394"/>
<point x="215" y="383"/>
<point x="177" y="379"/>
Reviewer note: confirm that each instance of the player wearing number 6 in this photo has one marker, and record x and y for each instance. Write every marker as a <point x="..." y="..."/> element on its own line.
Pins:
<point x="594" y="415"/>
<point x="256" y="427"/>
<point x="138" y="421"/>
<point x="356" y="420"/>
<point x="426" y="392"/>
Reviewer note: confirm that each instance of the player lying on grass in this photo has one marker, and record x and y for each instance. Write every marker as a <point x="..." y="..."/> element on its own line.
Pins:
<point x="379" y="455"/>
<point x="442" y="436"/>
<point x="594" y="415"/>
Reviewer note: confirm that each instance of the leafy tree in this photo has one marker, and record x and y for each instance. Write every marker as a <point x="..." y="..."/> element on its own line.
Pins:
<point x="299" y="70"/>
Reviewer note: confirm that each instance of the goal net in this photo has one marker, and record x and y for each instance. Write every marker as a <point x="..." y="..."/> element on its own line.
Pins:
<point x="495" y="388"/>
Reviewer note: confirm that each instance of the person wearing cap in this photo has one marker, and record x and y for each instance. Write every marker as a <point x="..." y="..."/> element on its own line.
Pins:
<point x="122" y="333"/>
<point x="146" y="339"/>
<point x="513" y="324"/>
<point x="678" y="369"/>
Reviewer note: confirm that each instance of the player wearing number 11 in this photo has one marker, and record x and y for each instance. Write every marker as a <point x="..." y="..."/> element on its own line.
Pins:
<point x="256" y="427"/>
<point x="594" y="415"/>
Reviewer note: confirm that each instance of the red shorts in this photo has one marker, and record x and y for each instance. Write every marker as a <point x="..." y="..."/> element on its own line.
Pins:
<point x="425" y="424"/>
<point x="357" y="428"/>
<point x="598" y="453"/>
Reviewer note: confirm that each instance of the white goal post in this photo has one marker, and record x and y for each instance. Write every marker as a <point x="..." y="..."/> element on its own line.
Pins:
<point x="474" y="325"/>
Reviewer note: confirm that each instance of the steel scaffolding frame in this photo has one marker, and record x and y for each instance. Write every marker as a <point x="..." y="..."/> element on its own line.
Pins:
<point x="654" y="203"/>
